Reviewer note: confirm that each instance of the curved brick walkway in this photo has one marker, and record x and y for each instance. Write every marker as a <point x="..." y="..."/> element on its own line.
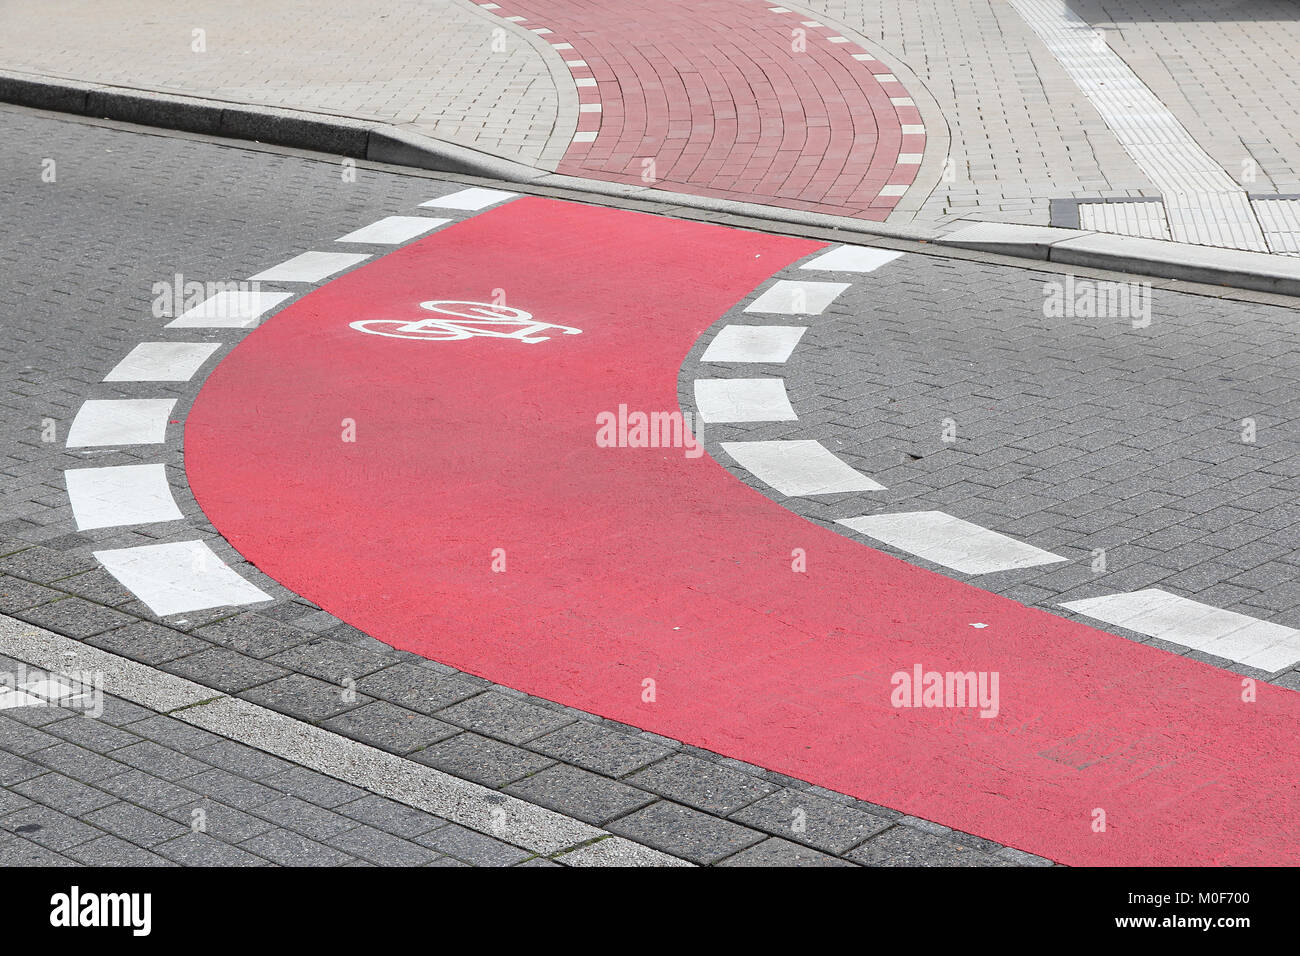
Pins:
<point x="715" y="95"/>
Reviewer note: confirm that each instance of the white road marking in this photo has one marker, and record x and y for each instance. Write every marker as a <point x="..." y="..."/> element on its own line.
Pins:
<point x="798" y="467"/>
<point x="788" y="297"/>
<point x="893" y="190"/>
<point x="950" y="541"/>
<point x="852" y="259"/>
<point x="471" y="805"/>
<point x="584" y="136"/>
<point x="1179" y="620"/>
<point x="120" y="421"/>
<point x="469" y="199"/>
<point x="229" y="310"/>
<point x="585" y="81"/>
<point x="394" y="229"/>
<point x="310" y="267"/>
<point x="743" y="400"/>
<point x="179" y="577"/>
<point x="753" y="343"/>
<point x="120" y="495"/>
<point x="162" y="362"/>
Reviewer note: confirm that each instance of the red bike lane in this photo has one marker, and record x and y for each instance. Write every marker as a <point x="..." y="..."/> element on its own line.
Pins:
<point x="628" y="565"/>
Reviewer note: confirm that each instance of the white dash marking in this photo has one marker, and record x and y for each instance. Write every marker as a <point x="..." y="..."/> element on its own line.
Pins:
<point x="913" y="129"/>
<point x="178" y="578"/>
<point x="585" y="81"/>
<point x="901" y="101"/>
<point x="950" y="541"/>
<point x="786" y="297"/>
<point x="229" y="310"/>
<point x="852" y="259"/>
<point x="120" y="421"/>
<point x="909" y="159"/>
<point x="562" y="46"/>
<point x="753" y="343"/>
<point x="743" y="400"/>
<point x="120" y="495"/>
<point x="162" y="362"/>
<point x="394" y="229"/>
<point x="798" y="467"/>
<point x="1179" y="620"/>
<point x="586" y="136"/>
<point x="893" y="190"/>
<point x="310" y="267"/>
<point x="884" y="77"/>
<point x="589" y="108"/>
<point x="471" y="199"/>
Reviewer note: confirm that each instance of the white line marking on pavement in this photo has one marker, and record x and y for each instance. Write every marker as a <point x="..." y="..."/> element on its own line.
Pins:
<point x="179" y="577"/>
<point x="120" y="421"/>
<point x="471" y="805"/>
<point x="743" y="400"/>
<point x="162" y="362"/>
<point x="584" y="136"/>
<point x="473" y="198"/>
<point x="310" y="267"/>
<point x="392" y="230"/>
<point x="894" y="190"/>
<point x="229" y="310"/>
<point x="753" y="343"/>
<point x="798" y="467"/>
<point x="852" y="259"/>
<point x="792" y="297"/>
<point x="1179" y="620"/>
<point x="950" y="541"/>
<point x="120" y="495"/>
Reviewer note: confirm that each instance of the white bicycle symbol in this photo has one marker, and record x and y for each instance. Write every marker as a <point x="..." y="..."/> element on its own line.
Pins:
<point x="469" y="319"/>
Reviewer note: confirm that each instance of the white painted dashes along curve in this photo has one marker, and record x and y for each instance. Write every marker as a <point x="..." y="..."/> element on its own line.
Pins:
<point x="803" y="468"/>
<point x="186" y="576"/>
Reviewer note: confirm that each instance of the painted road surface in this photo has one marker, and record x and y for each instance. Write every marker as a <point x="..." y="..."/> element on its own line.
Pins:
<point x="628" y="565"/>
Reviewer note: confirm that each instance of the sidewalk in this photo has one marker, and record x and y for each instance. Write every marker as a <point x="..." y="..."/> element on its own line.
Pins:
<point x="921" y="113"/>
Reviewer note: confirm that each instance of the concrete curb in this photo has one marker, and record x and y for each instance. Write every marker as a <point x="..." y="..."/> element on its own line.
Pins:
<point x="380" y="142"/>
<point x="1258" y="271"/>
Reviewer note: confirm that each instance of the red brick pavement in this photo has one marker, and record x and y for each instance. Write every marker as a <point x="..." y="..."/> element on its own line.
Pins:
<point x="713" y="98"/>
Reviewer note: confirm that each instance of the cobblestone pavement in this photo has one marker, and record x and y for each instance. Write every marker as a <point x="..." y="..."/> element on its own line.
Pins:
<point x="128" y="210"/>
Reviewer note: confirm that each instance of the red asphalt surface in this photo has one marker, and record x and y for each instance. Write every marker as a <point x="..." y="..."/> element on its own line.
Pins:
<point x="715" y="94"/>
<point x="626" y="564"/>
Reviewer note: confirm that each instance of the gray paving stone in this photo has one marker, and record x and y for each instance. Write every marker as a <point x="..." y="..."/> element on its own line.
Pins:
<point x="158" y="760"/>
<point x="230" y="789"/>
<point x="389" y="727"/>
<point x="25" y="853"/>
<point x="50" y="828"/>
<point x="332" y="661"/>
<point x="599" y="748"/>
<point x="216" y="819"/>
<point x="199" y="849"/>
<point x="74" y="617"/>
<point x="290" y="849"/>
<point x="63" y="794"/>
<point x="314" y="787"/>
<point x="145" y="790"/>
<point x="147" y="642"/>
<point x="241" y="759"/>
<point x="472" y="847"/>
<point x="136" y="824"/>
<point x="19" y="595"/>
<point x="74" y="761"/>
<point x="579" y="793"/>
<point x="805" y="818"/>
<point x="504" y="718"/>
<point x="305" y="818"/>
<point x="778" y="852"/>
<point x="701" y="784"/>
<point x="684" y="832"/>
<point x="304" y="697"/>
<point x="481" y="759"/>
<point x="382" y="849"/>
<point x="224" y="670"/>
<point x="111" y="851"/>
<point x="390" y="816"/>
<point x="908" y="846"/>
<point x="173" y="733"/>
<point x="253" y="634"/>
<point x="419" y="688"/>
<point x="92" y="734"/>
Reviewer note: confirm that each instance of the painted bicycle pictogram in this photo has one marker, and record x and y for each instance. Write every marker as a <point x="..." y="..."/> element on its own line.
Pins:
<point x="465" y="320"/>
